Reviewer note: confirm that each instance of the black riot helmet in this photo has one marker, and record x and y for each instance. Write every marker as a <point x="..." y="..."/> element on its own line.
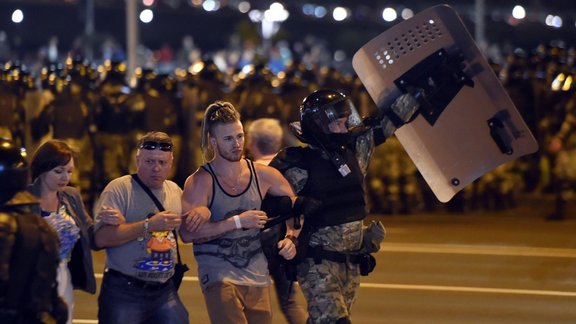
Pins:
<point x="321" y="108"/>
<point x="13" y="170"/>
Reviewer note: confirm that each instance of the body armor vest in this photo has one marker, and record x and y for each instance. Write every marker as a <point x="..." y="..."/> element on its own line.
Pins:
<point x="342" y="198"/>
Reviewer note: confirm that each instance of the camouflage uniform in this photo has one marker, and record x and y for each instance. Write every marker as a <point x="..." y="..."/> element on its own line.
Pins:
<point x="330" y="287"/>
<point x="332" y="170"/>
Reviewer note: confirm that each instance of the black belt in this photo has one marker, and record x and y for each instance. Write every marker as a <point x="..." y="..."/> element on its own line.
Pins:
<point x="152" y="285"/>
<point x="319" y="254"/>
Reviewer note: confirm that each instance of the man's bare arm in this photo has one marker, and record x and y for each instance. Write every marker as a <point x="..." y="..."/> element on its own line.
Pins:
<point x="195" y="200"/>
<point x="114" y="235"/>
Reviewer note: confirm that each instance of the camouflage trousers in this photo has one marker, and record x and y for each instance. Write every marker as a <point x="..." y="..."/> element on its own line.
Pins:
<point x="330" y="289"/>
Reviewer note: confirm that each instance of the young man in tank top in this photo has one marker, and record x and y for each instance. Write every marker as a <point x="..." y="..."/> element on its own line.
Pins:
<point x="221" y="204"/>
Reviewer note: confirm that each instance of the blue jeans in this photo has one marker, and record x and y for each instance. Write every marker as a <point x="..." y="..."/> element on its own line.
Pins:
<point x="122" y="302"/>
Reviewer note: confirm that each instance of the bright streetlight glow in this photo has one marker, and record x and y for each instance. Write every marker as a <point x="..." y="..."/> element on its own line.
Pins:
<point x="211" y="5"/>
<point x="519" y="12"/>
<point x="17" y="16"/>
<point x="276" y="12"/>
<point x="146" y="16"/>
<point x="554" y="21"/>
<point x="389" y="14"/>
<point x="339" y="13"/>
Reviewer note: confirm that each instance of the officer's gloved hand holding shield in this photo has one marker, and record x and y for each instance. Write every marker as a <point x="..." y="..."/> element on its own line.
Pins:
<point x="405" y="107"/>
<point x="403" y="110"/>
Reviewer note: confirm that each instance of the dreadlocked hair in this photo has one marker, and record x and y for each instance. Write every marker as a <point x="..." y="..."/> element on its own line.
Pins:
<point x="219" y="112"/>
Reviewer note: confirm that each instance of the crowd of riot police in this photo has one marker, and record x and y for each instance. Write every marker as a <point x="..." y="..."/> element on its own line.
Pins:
<point x="101" y="113"/>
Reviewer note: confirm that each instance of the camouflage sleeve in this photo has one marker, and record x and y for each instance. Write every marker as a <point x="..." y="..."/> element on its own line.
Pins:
<point x="297" y="178"/>
<point x="289" y="163"/>
<point x="364" y="148"/>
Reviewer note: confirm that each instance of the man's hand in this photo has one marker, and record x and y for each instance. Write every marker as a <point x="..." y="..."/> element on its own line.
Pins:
<point x="253" y="219"/>
<point x="287" y="249"/>
<point x="164" y="221"/>
<point x="194" y="218"/>
<point x="111" y="216"/>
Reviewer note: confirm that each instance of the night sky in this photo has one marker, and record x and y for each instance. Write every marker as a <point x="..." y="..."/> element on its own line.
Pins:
<point x="211" y="30"/>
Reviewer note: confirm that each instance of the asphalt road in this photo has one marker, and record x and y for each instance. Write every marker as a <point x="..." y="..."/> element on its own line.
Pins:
<point x="479" y="267"/>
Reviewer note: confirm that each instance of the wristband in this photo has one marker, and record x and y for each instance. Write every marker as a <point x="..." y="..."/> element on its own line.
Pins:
<point x="146" y="230"/>
<point x="237" y="221"/>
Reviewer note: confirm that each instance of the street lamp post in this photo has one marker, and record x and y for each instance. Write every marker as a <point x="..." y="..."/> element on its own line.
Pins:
<point x="131" y="36"/>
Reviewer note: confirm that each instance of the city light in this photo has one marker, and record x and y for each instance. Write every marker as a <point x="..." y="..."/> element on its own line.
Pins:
<point x="146" y="16"/>
<point x="244" y="6"/>
<point x="389" y="14"/>
<point x="276" y="13"/>
<point x="308" y="9"/>
<point x="272" y="17"/>
<point x="553" y="21"/>
<point x="519" y="12"/>
<point x="320" y="12"/>
<point x="17" y="16"/>
<point x="339" y="56"/>
<point x="340" y="13"/>
<point x="211" y="5"/>
<point x="407" y="13"/>
<point x="255" y="15"/>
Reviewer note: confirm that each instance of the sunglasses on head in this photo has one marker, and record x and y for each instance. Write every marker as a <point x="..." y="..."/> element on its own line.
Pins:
<point x="150" y="145"/>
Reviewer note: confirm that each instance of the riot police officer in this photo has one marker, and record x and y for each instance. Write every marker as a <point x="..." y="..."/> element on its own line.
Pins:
<point x="333" y="246"/>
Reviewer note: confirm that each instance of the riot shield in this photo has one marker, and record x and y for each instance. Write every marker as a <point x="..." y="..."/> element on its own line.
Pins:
<point x="467" y="124"/>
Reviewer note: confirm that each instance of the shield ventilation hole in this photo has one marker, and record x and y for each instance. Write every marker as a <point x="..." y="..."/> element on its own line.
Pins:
<point x="419" y="35"/>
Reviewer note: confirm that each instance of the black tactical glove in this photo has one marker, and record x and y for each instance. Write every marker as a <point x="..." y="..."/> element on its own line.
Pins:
<point x="276" y="205"/>
<point x="279" y="209"/>
<point x="405" y="107"/>
<point x="304" y="206"/>
<point x="403" y="110"/>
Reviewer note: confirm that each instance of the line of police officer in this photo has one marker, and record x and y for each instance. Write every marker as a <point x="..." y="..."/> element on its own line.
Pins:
<point x="96" y="111"/>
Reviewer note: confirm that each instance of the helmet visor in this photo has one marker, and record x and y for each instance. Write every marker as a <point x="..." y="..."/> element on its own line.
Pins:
<point x="340" y="109"/>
